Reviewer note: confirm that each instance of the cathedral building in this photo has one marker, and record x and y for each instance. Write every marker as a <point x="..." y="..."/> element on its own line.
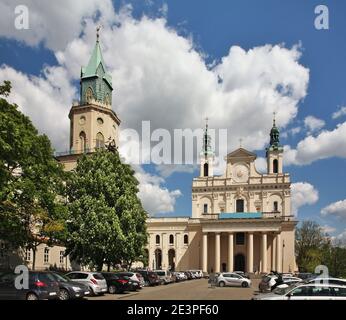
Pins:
<point x="241" y="221"/>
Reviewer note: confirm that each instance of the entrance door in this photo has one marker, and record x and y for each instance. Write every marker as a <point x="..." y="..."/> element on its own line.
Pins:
<point x="239" y="262"/>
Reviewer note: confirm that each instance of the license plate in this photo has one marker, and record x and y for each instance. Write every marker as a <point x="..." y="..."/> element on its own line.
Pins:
<point x="52" y="293"/>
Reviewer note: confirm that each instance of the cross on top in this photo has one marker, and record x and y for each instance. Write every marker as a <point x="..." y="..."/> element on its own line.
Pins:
<point x="241" y="142"/>
<point x="274" y="117"/>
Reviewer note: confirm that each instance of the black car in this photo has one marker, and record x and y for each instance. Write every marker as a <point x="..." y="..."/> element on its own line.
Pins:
<point x="132" y="285"/>
<point x="69" y="289"/>
<point x="116" y="283"/>
<point x="41" y="286"/>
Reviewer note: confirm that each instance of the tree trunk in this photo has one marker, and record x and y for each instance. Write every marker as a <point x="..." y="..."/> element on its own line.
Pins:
<point x="108" y="266"/>
<point x="34" y="258"/>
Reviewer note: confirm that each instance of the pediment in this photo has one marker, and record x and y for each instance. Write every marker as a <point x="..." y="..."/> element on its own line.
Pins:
<point x="241" y="153"/>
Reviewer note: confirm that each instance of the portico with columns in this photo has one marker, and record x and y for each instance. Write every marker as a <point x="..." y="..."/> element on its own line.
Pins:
<point x="241" y="220"/>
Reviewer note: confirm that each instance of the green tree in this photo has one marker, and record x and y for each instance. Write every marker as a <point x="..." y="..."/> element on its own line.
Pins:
<point x="106" y="223"/>
<point x="31" y="180"/>
<point x="309" y="242"/>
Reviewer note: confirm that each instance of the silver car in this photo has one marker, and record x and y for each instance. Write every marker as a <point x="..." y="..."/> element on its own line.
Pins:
<point x="306" y="292"/>
<point x="232" y="280"/>
<point x="94" y="280"/>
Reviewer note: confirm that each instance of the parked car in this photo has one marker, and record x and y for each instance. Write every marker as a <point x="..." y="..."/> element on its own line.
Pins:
<point x="198" y="274"/>
<point x="69" y="289"/>
<point x="133" y="285"/>
<point x="188" y="275"/>
<point x="180" y="276"/>
<point x="135" y="276"/>
<point x="41" y="286"/>
<point x="115" y="284"/>
<point x="242" y="273"/>
<point x="306" y="292"/>
<point x="327" y="280"/>
<point x="269" y="281"/>
<point x="232" y="279"/>
<point x="305" y="275"/>
<point x="150" y="278"/>
<point x="165" y="276"/>
<point x="94" y="280"/>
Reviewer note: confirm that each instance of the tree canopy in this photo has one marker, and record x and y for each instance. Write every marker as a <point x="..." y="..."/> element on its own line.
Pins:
<point x="31" y="180"/>
<point x="106" y="223"/>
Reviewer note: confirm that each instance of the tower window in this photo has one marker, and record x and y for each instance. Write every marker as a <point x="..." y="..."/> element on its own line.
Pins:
<point x="276" y="206"/>
<point x="89" y="95"/>
<point x="100" y="121"/>
<point x="206" y="170"/>
<point x="171" y="239"/>
<point x="275" y="166"/>
<point x="157" y="240"/>
<point x="82" y="140"/>
<point x="100" y="140"/>
<point x="240" y="205"/>
<point x="205" y="208"/>
<point x="186" y="239"/>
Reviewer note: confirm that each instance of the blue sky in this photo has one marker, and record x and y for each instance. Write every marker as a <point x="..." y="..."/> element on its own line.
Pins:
<point x="215" y="26"/>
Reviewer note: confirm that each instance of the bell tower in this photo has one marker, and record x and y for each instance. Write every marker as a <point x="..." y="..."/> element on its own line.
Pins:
<point x="93" y="123"/>
<point x="206" y="155"/>
<point x="275" y="151"/>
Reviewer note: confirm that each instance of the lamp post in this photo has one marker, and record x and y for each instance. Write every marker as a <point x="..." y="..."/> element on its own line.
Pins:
<point x="283" y="254"/>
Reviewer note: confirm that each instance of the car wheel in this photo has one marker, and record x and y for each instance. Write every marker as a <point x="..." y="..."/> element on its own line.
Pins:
<point x="244" y="284"/>
<point x="222" y="284"/>
<point x="31" y="296"/>
<point x="112" y="289"/>
<point x="92" y="292"/>
<point x="64" y="295"/>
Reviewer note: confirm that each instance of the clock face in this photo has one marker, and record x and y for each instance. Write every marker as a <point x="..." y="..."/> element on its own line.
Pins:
<point x="240" y="173"/>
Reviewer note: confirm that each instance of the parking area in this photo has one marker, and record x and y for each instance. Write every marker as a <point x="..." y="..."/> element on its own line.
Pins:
<point x="187" y="290"/>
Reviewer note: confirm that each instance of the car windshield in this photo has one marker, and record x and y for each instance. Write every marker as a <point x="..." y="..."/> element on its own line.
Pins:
<point x="283" y="291"/>
<point x="160" y="273"/>
<point x="60" y="277"/>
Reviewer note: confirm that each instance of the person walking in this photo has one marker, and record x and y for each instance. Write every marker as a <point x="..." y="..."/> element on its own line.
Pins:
<point x="212" y="279"/>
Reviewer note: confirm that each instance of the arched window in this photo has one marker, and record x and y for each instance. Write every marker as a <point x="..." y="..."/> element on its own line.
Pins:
<point x="157" y="240"/>
<point x="100" y="140"/>
<point x="276" y="206"/>
<point x="186" y="239"/>
<point x="206" y="170"/>
<point x="240" y="205"/>
<point x="205" y="208"/>
<point x="275" y="166"/>
<point x="107" y="99"/>
<point x="89" y="95"/>
<point x="171" y="239"/>
<point x="82" y="140"/>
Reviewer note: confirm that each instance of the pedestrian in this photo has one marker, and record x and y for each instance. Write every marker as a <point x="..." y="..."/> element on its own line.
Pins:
<point x="212" y="279"/>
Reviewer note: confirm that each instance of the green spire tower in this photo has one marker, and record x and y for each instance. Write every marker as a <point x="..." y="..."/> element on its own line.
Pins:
<point x="207" y="154"/>
<point x="275" y="151"/>
<point x="96" y="83"/>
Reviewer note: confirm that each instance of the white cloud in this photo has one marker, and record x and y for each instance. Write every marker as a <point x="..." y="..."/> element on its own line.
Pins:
<point x="313" y="124"/>
<point x="167" y="170"/>
<point x="261" y="164"/>
<point x="337" y="209"/>
<point x="340" y="113"/>
<point x="328" y="229"/>
<point x="303" y="194"/>
<point x="55" y="23"/>
<point x="291" y="132"/>
<point x="326" y="145"/>
<point x="155" y="198"/>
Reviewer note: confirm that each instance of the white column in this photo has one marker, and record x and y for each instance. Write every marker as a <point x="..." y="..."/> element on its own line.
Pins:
<point x="264" y="253"/>
<point x="164" y="240"/>
<point x="205" y="252"/>
<point x="230" y="252"/>
<point x="274" y="253"/>
<point x="217" y="252"/>
<point x="278" y="253"/>
<point x="250" y="252"/>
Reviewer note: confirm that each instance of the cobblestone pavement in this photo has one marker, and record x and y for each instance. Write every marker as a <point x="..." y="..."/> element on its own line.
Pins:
<point x="188" y="290"/>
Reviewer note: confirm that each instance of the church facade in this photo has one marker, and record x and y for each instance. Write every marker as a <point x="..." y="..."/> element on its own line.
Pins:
<point x="241" y="221"/>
